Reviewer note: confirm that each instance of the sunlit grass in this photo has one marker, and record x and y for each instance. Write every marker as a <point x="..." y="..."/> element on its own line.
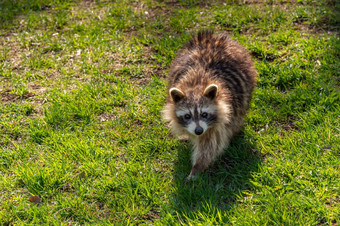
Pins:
<point x="82" y="84"/>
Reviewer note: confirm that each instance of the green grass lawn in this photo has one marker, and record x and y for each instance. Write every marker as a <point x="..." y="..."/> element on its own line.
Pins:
<point x="82" y="84"/>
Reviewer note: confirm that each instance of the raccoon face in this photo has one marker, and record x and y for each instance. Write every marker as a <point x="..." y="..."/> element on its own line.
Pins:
<point x="196" y="114"/>
<point x="197" y="119"/>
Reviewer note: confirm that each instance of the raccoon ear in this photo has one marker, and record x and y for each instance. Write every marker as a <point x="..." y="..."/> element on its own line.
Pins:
<point x="176" y="94"/>
<point x="211" y="91"/>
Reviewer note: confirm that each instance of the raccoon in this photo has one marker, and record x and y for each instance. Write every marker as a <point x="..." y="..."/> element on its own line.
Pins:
<point x="210" y="85"/>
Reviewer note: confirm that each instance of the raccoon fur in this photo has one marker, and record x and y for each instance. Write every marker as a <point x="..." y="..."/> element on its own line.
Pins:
<point x="210" y="85"/>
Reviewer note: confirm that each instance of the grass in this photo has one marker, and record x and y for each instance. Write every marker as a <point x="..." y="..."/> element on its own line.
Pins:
<point x="82" y="84"/>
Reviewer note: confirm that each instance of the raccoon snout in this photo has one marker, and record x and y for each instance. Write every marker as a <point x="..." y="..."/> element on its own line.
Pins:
<point x="198" y="130"/>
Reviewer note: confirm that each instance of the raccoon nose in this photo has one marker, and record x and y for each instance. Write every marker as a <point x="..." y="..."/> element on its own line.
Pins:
<point x="199" y="130"/>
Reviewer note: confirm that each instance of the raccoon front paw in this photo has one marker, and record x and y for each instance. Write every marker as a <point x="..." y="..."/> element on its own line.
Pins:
<point x="189" y="178"/>
<point x="193" y="174"/>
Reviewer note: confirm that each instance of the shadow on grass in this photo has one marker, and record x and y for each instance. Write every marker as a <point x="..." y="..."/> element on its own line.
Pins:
<point x="11" y="9"/>
<point x="217" y="188"/>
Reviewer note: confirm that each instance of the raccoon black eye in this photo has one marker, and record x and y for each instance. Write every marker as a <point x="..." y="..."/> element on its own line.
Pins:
<point x="204" y="115"/>
<point x="187" y="116"/>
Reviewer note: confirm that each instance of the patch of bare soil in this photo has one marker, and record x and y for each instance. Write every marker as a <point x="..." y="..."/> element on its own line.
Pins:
<point x="7" y="96"/>
<point x="107" y="117"/>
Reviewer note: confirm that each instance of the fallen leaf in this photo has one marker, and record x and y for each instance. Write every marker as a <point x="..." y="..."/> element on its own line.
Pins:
<point x="35" y="199"/>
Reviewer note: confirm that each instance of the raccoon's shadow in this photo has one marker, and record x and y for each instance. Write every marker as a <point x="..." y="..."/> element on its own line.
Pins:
<point x="218" y="186"/>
